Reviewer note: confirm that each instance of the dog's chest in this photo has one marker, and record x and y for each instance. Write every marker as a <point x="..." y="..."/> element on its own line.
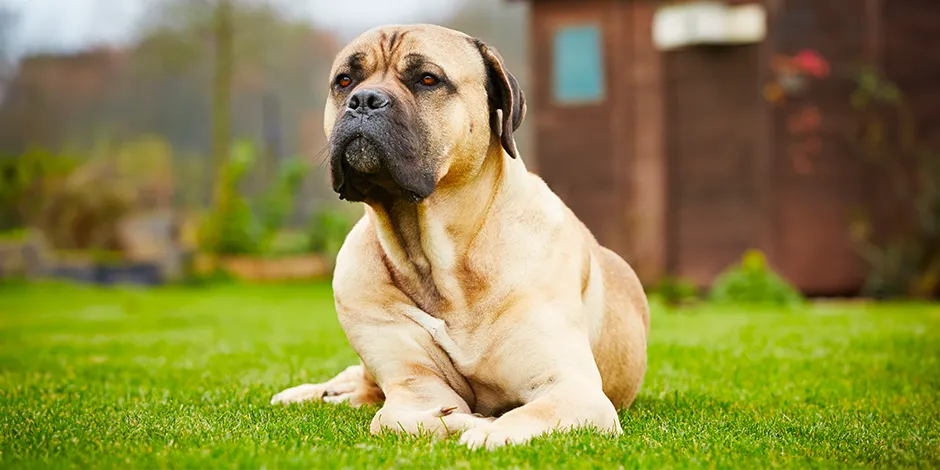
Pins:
<point x="491" y="400"/>
<point x="476" y="357"/>
<point x="492" y="392"/>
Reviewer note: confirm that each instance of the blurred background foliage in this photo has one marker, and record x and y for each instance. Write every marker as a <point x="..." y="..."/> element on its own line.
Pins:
<point x="903" y="247"/>
<point x="206" y="129"/>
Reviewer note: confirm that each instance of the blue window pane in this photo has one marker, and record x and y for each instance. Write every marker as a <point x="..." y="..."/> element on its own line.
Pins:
<point x="579" y="69"/>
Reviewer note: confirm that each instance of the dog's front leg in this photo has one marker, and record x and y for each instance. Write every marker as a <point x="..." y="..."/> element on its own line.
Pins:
<point x="353" y="386"/>
<point x="564" y="406"/>
<point x="414" y="406"/>
<point x="420" y="400"/>
<point x="416" y="377"/>
<point x="550" y="367"/>
<point x="423" y="391"/>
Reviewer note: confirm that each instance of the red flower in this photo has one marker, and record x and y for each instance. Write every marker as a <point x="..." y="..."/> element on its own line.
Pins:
<point x="811" y="63"/>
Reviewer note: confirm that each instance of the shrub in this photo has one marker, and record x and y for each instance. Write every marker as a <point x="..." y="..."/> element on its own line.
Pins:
<point x="234" y="227"/>
<point x="84" y="213"/>
<point x="27" y="181"/>
<point x="753" y="282"/>
<point x="327" y="231"/>
<point x="899" y="235"/>
<point x="231" y="227"/>
<point x="78" y="202"/>
<point x="278" y="202"/>
<point x="231" y="230"/>
<point x="675" y="290"/>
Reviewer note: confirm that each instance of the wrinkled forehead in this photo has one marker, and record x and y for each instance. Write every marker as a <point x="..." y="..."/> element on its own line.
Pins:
<point x="400" y="47"/>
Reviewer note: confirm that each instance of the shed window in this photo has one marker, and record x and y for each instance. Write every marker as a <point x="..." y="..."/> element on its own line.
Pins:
<point x="578" y="64"/>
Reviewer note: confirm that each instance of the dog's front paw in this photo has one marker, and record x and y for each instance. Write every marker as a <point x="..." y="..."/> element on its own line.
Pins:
<point x="494" y="435"/>
<point x="300" y="394"/>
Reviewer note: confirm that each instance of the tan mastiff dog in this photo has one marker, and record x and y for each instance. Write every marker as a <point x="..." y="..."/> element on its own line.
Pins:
<point x="476" y="300"/>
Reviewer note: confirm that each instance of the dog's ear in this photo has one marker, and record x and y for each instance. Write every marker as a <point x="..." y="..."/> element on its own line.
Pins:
<point x="506" y="100"/>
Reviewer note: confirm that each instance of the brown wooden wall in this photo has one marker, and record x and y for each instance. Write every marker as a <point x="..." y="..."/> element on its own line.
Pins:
<point x="817" y="176"/>
<point x="578" y="145"/>
<point x="904" y="45"/>
<point x="602" y="158"/>
<point x="821" y="185"/>
<point x="908" y="47"/>
<point x="685" y="165"/>
<point x="714" y="138"/>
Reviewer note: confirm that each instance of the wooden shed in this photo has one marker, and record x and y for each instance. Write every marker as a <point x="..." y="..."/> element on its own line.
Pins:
<point x="677" y="160"/>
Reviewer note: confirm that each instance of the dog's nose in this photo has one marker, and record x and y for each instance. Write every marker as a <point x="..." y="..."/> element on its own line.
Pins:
<point x="368" y="101"/>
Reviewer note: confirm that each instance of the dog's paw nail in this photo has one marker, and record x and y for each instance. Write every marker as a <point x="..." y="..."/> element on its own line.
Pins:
<point x="447" y="411"/>
<point x="338" y="398"/>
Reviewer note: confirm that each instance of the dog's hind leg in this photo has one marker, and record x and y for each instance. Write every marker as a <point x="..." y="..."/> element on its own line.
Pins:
<point x="353" y="386"/>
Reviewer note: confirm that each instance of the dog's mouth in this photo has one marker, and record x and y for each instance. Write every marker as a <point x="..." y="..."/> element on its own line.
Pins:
<point x="361" y="174"/>
<point x="363" y="156"/>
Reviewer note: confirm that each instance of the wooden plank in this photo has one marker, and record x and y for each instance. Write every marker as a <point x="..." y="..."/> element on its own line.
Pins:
<point x="580" y="154"/>
<point x="817" y="176"/>
<point x="714" y="141"/>
<point x="647" y="208"/>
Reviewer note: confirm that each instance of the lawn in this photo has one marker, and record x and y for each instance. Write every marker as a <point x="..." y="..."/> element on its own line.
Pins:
<point x="181" y="378"/>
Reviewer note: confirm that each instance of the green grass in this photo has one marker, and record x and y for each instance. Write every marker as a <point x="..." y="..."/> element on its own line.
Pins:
<point x="181" y="378"/>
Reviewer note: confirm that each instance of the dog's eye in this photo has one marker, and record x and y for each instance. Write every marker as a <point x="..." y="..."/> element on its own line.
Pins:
<point x="343" y="80"/>
<point x="429" y="80"/>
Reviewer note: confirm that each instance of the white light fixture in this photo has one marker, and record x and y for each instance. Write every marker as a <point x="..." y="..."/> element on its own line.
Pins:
<point x="708" y="22"/>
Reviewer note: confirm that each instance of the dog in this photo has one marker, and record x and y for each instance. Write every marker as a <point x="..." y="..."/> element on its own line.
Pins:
<point x="476" y="300"/>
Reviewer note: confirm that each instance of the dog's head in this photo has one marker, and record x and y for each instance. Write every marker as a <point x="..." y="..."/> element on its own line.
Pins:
<point x="412" y="105"/>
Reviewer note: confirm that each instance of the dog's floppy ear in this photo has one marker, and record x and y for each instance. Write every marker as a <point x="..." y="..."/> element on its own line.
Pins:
<point x="506" y="100"/>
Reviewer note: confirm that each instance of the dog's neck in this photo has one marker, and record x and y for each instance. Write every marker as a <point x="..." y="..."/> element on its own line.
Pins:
<point x="424" y="244"/>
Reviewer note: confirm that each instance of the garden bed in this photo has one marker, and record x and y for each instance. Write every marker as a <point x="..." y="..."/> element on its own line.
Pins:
<point x="28" y="257"/>
<point x="20" y="255"/>
<point x="134" y="273"/>
<point x="267" y="269"/>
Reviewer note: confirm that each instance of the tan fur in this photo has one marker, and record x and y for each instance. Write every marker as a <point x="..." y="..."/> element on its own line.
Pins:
<point x="489" y="296"/>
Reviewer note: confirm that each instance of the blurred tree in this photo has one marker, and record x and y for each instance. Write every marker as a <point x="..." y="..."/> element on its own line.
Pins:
<point x="183" y="35"/>
<point x="240" y="65"/>
<point x="7" y="21"/>
<point x="163" y="86"/>
<point x="223" y="38"/>
<point x="503" y="25"/>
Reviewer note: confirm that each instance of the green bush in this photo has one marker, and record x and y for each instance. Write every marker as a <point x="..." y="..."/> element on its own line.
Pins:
<point x="899" y="237"/>
<point x="231" y="227"/>
<point x="234" y="227"/>
<point x="753" y="282"/>
<point x="84" y="212"/>
<point x="77" y="199"/>
<point x="14" y="235"/>
<point x="279" y="201"/>
<point x="232" y="230"/>
<point x="26" y="182"/>
<point x="327" y="231"/>
<point x="675" y="290"/>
